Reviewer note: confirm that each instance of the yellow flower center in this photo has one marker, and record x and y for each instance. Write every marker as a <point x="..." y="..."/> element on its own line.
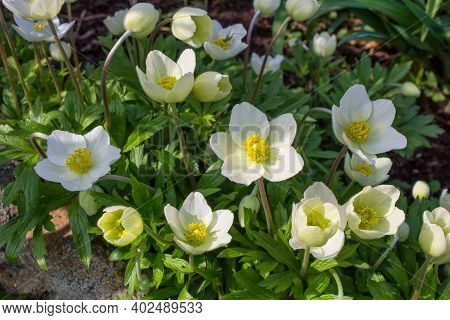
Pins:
<point x="365" y="169"/>
<point x="79" y="161"/>
<point x="369" y="217"/>
<point x="315" y="218"/>
<point x="196" y="233"/>
<point x="358" y="131"/>
<point x="38" y="26"/>
<point x="167" y="82"/>
<point x="224" y="44"/>
<point x="257" y="149"/>
<point x="120" y="230"/>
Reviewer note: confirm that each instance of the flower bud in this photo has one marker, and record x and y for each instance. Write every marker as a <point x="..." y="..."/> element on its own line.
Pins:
<point x="301" y="10"/>
<point x="266" y="7"/>
<point x="120" y="225"/>
<point x="141" y="20"/>
<point x="192" y="25"/>
<point x="87" y="201"/>
<point x="324" y="45"/>
<point x="56" y="54"/>
<point x="433" y="238"/>
<point x="403" y="232"/>
<point x="248" y="202"/>
<point x="420" y="190"/>
<point x="212" y="86"/>
<point x="444" y="200"/>
<point x="409" y="89"/>
<point x="114" y="24"/>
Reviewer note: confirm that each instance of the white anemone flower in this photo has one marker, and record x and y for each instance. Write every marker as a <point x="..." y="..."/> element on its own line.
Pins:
<point x="34" y="9"/>
<point x="192" y="25"/>
<point x="197" y="228"/>
<point x="165" y="80"/>
<point x="324" y="45"/>
<point x="365" y="126"/>
<point x="257" y="148"/>
<point x="114" y="23"/>
<point x="372" y="213"/>
<point x="318" y="222"/>
<point x="77" y="161"/>
<point x="273" y="63"/>
<point x="225" y="43"/>
<point x="366" y="173"/>
<point x="434" y="238"/>
<point x="40" y="30"/>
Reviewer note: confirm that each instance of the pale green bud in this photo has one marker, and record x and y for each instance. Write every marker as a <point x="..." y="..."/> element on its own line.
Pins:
<point x="87" y="201"/>
<point x="212" y="86"/>
<point x="56" y="54"/>
<point x="250" y="202"/>
<point x="141" y="20"/>
<point x="301" y="10"/>
<point x="444" y="200"/>
<point x="403" y="232"/>
<point x="421" y="190"/>
<point x="409" y="89"/>
<point x="266" y="7"/>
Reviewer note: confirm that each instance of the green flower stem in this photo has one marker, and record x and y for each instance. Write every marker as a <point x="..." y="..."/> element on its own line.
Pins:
<point x="248" y="41"/>
<point x="265" y="203"/>
<point x="52" y="72"/>
<point x="338" y="283"/>
<point x="155" y="236"/>
<point x="73" y="45"/>
<point x="76" y="84"/>
<point x="319" y="70"/>
<point x="16" y="59"/>
<point x="137" y="52"/>
<point x="158" y="27"/>
<point x="113" y="177"/>
<point x="421" y="280"/>
<point x="138" y="260"/>
<point x="10" y="79"/>
<point x="33" y="137"/>
<point x="37" y="59"/>
<point x="385" y="253"/>
<point x="305" y="262"/>
<point x="266" y="56"/>
<point x="104" y="74"/>
<point x="195" y="266"/>
<point x="182" y="139"/>
<point x="335" y="165"/>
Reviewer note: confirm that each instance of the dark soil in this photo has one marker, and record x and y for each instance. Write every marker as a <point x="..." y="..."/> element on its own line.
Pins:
<point x="427" y="163"/>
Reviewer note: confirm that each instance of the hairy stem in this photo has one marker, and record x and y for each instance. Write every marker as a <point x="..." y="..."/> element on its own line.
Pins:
<point x="10" y="79"/>
<point x="265" y="203"/>
<point x="421" y="280"/>
<point x="16" y="59"/>
<point x="37" y="59"/>
<point x="335" y="165"/>
<point x="34" y="143"/>
<point x="267" y="54"/>
<point x="248" y="41"/>
<point x="105" y="73"/>
<point x="182" y="140"/>
<point x="76" y="84"/>
<point x="155" y="236"/>
<point x="340" y="295"/>
<point x="305" y="262"/>
<point x="52" y="71"/>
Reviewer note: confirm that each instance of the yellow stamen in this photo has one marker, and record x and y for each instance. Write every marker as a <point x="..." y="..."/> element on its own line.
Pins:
<point x="120" y="230"/>
<point x="38" y="26"/>
<point x="314" y="217"/>
<point x="365" y="169"/>
<point x="224" y="44"/>
<point x="79" y="161"/>
<point x="369" y="217"/>
<point x="196" y="233"/>
<point x="358" y="131"/>
<point x="167" y="82"/>
<point x="257" y="149"/>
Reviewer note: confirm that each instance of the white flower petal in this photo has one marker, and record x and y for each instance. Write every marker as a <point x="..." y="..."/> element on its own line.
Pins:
<point x="188" y="248"/>
<point x="389" y="140"/>
<point x="184" y="28"/>
<point x="356" y="104"/>
<point x="332" y="248"/>
<point x="195" y="209"/>
<point x="222" y="144"/>
<point x="181" y="90"/>
<point x="383" y="115"/>
<point x="214" y="242"/>
<point x="187" y="62"/>
<point x="320" y="191"/>
<point x="83" y="182"/>
<point x="282" y="130"/>
<point x="172" y="217"/>
<point x="61" y="143"/>
<point x="49" y="171"/>
<point x="247" y="120"/>
<point x="222" y="220"/>
<point x="284" y="163"/>
<point x="238" y="169"/>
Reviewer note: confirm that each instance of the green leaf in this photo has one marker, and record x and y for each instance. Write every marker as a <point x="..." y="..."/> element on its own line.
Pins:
<point x="277" y="250"/>
<point x="324" y="265"/>
<point x="38" y="248"/>
<point x="80" y="225"/>
<point x="158" y="269"/>
<point x="249" y="280"/>
<point x="178" y="265"/>
<point x="382" y="290"/>
<point x="277" y="282"/>
<point x="317" y="284"/>
<point x="146" y="128"/>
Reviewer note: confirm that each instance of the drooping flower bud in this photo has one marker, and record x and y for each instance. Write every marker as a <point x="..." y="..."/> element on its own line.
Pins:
<point x="444" y="200"/>
<point x="212" y="86"/>
<point x="141" y="20"/>
<point x="301" y="10"/>
<point x="248" y="202"/>
<point x="266" y="7"/>
<point x="403" y="232"/>
<point x="87" y="201"/>
<point x="56" y="54"/>
<point x="409" y="89"/>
